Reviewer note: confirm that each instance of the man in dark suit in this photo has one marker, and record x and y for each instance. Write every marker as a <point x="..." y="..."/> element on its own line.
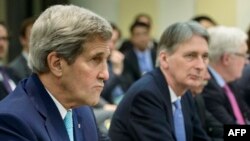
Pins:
<point x="228" y="55"/>
<point x="147" y="112"/>
<point x="139" y="18"/>
<point x="211" y="125"/>
<point x="8" y="79"/>
<point x="244" y="84"/>
<point x="68" y="57"/>
<point x="113" y="90"/>
<point x="140" y="59"/>
<point x="20" y="64"/>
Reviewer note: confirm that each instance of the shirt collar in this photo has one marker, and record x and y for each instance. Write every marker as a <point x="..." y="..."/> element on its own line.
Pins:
<point x="173" y="95"/>
<point x="59" y="106"/>
<point x="217" y="77"/>
<point x="25" y="55"/>
<point x="141" y="53"/>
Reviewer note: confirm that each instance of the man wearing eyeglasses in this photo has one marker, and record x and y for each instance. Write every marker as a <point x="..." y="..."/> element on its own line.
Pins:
<point x="8" y="79"/>
<point x="4" y="43"/>
<point x="227" y="56"/>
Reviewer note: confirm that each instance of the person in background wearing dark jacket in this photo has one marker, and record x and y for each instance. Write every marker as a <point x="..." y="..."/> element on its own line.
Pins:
<point x="20" y="63"/>
<point x="227" y="58"/>
<point x="140" y="18"/>
<point x="158" y="107"/>
<point x="209" y="123"/>
<point x="8" y="79"/>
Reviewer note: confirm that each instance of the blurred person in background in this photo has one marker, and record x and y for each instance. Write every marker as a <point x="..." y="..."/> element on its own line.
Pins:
<point x="244" y="84"/>
<point x="141" y="58"/>
<point x="112" y="92"/>
<point x="205" y="21"/>
<point x="140" y="18"/>
<point x="209" y="123"/>
<point x="20" y="63"/>
<point x="114" y="88"/>
<point x="227" y="58"/>
<point x="8" y="79"/>
<point x="248" y="42"/>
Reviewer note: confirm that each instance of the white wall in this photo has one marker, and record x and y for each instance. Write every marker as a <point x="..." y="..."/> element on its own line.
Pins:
<point x="2" y="10"/>
<point x="106" y="8"/>
<point x="167" y="12"/>
<point x="171" y="11"/>
<point x="243" y="14"/>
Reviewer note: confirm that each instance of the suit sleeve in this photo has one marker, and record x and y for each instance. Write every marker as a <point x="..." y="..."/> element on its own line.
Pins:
<point x="216" y="104"/>
<point x="12" y="128"/>
<point x="148" y="119"/>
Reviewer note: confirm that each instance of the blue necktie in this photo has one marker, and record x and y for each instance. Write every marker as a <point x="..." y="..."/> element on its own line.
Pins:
<point x="68" y="121"/>
<point x="179" y="122"/>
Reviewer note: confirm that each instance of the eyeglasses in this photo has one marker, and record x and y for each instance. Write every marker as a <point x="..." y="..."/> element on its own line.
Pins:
<point x="244" y="55"/>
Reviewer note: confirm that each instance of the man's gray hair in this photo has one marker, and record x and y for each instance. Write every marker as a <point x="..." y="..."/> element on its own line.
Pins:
<point x="224" y="40"/>
<point x="179" y="33"/>
<point x="64" y="29"/>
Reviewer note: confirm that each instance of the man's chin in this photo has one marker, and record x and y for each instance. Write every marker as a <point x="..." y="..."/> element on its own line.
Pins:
<point x="195" y="85"/>
<point x="95" y="102"/>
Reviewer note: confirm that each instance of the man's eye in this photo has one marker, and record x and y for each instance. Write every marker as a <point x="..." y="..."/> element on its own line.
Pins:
<point x="205" y="57"/>
<point x="97" y="59"/>
<point x="190" y="55"/>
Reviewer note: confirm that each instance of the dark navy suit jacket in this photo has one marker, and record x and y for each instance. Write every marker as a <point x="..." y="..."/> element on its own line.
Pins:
<point x="244" y="84"/>
<point x="132" y="70"/>
<point x="145" y="113"/>
<point x="218" y="104"/>
<point x="20" y="66"/>
<point x="29" y="114"/>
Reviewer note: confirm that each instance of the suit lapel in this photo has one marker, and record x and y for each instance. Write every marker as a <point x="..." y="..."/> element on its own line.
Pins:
<point x="85" y="120"/>
<point x="135" y="63"/>
<point x="163" y="86"/>
<point x="186" y="114"/>
<point x="78" y="135"/>
<point x="55" y="125"/>
<point x="212" y="84"/>
<point x="47" y="108"/>
<point x="3" y="91"/>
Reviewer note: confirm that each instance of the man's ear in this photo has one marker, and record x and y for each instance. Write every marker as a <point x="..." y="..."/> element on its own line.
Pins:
<point x="225" y="58"/>
<point x="54" y="64"/>
<point x="163" y="58"/>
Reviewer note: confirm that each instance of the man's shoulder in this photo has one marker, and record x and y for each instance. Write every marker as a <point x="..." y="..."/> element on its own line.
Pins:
<point x="84" y="111"/>
<point x="17" y="102"/>
<point x="16" y="61"/>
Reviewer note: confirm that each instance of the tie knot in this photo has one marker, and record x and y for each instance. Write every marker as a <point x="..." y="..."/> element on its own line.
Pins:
<point x="225" y="86"/>
<point x="68" y="120"/>
<point x="227" y="89"/>
<point x="177" y="104"/>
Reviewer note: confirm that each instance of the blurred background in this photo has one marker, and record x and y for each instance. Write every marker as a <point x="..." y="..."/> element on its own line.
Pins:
<point x="123" y="12"/>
